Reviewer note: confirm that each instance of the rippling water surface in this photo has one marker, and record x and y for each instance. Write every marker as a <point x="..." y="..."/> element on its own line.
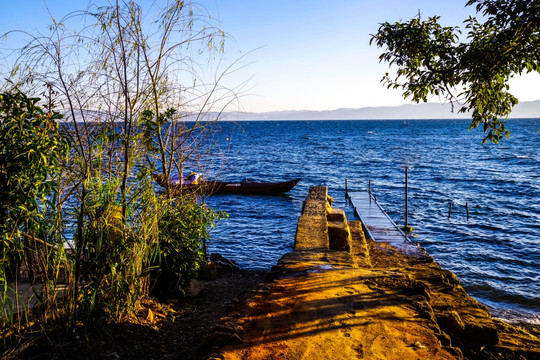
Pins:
<point x="496" y="253"/>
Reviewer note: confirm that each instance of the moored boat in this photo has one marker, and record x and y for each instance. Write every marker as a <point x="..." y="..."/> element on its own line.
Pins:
<point x="244" y="187"/>
<point x="250" y="187"/>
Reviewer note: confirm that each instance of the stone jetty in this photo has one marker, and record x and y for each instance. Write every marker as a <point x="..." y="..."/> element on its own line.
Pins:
<point x="339" y="295"/>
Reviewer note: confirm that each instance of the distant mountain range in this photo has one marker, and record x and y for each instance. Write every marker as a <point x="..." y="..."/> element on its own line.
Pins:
<point x="526" y="109"/>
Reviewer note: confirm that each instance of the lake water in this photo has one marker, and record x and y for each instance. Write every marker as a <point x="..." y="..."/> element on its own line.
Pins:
<point x="495" y="254"/>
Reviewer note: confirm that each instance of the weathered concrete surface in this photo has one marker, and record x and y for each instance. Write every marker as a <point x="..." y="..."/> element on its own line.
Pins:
<point x="335" y="215"/>
<point x="324" y="306"/>
<point x="359" y="247"/>
<point x="339" y="236"/>
<point x="311" y="233"/>
<point x="312" y="230"/>
<point x="321" y="227"/>
<point x="374" y="302"/>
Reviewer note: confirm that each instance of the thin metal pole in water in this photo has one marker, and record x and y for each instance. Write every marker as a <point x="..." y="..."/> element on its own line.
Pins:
<point x="346" y="188"/>
<point x="406" y="196"/>
<point x="450" y="210"/>
<point x="369" y="191"/>
<point x="467" y="206"/>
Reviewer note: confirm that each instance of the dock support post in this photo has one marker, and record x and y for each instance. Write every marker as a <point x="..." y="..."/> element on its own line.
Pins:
<point x="369" y="191"/>
<point x="406" y="197"/>
<point x="467" y="206"/>
<point x="450" y="210"/>
<point x="346" y="188"/>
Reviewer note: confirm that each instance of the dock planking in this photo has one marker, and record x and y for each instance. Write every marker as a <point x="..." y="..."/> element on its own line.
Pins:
<point x="377" y="224"/>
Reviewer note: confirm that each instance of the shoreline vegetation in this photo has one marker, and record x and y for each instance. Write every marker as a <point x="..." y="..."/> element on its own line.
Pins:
<point x="81" y="223"/>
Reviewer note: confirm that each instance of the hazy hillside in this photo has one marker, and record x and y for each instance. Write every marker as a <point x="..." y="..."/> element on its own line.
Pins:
<point x="527" y="109"/>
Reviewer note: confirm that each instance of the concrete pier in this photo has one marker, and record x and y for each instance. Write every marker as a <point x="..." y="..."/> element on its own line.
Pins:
<point x="369" y="299"/>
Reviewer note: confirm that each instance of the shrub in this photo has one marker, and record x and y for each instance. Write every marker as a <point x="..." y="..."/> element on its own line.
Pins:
<point x="183" y="233"/>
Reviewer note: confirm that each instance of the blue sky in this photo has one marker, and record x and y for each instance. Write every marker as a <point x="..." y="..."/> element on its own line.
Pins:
<point x="299" y="54"/>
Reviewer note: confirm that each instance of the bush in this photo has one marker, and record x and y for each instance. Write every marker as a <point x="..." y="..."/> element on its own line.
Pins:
<point x="183" y="233"/>
<point x="30" y="149"/>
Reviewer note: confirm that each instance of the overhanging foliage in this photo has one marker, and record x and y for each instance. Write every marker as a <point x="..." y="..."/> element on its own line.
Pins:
<point x="473" y="73"/>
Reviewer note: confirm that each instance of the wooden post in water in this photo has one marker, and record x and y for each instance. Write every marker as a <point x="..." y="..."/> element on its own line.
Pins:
<point x="369" y="191"/>
<point x="346" y="188"/>
<point x="467" y="206"/>
<point x="450" y="210"/>
<point x="406" y="197"/>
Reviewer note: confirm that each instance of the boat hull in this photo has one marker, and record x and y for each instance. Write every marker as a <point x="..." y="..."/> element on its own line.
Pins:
<point x="213" y="187"/>
<point x="250" y="187"/>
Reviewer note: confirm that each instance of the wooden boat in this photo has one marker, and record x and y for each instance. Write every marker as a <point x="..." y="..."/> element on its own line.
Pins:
<point x="244" y="187"/>
<point x="250" y="187"/>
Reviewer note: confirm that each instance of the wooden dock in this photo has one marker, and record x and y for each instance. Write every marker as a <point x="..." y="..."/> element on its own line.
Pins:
<point x="377" y="224"/>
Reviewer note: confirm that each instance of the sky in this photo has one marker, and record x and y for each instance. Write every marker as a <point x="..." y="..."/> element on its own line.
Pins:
<point x="294" y="54"/>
